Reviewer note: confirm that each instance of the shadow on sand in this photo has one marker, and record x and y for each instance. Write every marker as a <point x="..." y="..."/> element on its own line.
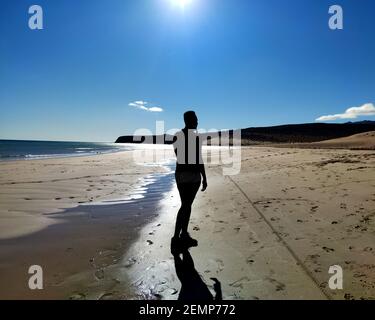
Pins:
<point x="193" y="288"/>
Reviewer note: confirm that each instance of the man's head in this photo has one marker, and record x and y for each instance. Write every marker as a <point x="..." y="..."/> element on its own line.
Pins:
<point x="191" y="120"/>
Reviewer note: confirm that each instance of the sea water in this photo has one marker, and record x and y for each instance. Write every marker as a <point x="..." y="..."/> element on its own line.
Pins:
<point x="25" y="149"/>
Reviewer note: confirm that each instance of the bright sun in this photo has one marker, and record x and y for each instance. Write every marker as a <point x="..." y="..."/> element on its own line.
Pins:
<point x="181" y="3"/>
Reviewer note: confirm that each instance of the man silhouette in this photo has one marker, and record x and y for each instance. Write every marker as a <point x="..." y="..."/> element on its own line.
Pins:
<point x="189" y="171"/>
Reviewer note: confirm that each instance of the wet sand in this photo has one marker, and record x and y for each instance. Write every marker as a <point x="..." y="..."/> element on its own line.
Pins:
<point x="80" y="255"/>
<point x="269" y="233"/>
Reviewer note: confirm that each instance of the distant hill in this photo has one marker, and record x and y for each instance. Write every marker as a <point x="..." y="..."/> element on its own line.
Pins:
<point x="291" y="133"/>
<point x="309" y="132"/>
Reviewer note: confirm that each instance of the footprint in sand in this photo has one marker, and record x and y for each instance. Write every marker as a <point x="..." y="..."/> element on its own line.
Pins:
<point x="130" y="262"/>
<point x="348" y="296"/>
<point x="219" y="265"/>
<point x="99" y="274"/>
<point x="239" y="283"/>
<point x="106" y="296"/>
<point x="279" y="285"/>
<point x="77" y="296"/>
<point x="218" y="229"/>
<point x="298" y="238"/>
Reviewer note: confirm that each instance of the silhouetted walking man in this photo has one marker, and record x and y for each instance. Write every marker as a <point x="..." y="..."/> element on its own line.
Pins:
<point x="189" y="171"/>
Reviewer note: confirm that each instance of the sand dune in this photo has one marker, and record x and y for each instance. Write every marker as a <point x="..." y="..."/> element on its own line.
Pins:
<point x="361" y="141"/>
<point x="358" y="141"/>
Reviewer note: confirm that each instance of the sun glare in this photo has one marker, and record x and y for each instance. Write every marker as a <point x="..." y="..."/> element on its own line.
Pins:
<point x="181" y="3"/>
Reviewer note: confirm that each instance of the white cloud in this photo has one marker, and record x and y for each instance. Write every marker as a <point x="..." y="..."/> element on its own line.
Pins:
<point x="143" y="106"/>
<point x="155" y="109"/>
<point x="140" y="102"/>
<point x="367" y="109"/>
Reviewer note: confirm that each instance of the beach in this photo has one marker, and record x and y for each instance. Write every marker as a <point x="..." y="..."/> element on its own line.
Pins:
<point x="270" y="232"/>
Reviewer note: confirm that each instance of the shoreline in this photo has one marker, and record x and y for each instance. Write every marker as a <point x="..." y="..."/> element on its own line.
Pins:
<point x="31" y="189"/>
<point x="65" y="156"/>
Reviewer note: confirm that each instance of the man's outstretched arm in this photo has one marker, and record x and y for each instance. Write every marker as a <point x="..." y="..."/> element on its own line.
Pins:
<point x="203" y="173"/>
<point x="201" y="167"/>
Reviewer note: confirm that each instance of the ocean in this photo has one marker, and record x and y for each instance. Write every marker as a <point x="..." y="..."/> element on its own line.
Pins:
<point x="23" y="150"/>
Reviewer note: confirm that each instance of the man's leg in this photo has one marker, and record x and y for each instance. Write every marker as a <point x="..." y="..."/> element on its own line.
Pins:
<point x="183" y="191"/>
<point x="185" y="218"/>
<point x="179" y="221"/>
<point x="190" y="196"/>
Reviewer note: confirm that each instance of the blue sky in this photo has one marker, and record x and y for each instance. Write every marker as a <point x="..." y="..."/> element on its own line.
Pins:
<point x="236" y="63"/>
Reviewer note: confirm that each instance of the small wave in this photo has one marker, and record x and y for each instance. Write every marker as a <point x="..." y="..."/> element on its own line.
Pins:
<point x="8" y="156"/>
<point x="37" y="156"/>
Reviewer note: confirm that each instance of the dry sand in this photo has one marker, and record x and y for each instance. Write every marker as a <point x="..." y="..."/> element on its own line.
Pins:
<point x="271" y="232"/>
